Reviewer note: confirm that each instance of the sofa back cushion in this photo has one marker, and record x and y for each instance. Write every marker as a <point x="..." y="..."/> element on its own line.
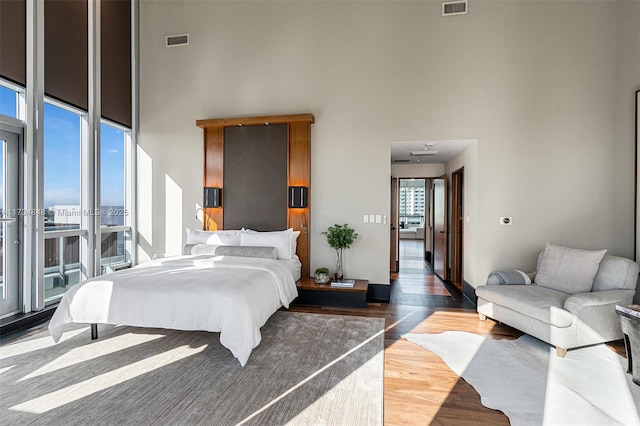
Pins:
<point x="567" y="269"/>
<point x="616" y="273"/>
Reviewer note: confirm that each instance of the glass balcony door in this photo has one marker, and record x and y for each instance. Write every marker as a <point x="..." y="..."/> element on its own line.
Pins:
<point x="10" y="219"/>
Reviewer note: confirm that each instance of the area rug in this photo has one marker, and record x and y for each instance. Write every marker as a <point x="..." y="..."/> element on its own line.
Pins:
<point x="308" y="369"/>
<point x="527" y="381"/>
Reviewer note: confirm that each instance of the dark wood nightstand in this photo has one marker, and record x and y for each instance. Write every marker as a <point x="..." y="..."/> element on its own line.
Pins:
<point x="311" y="293"/>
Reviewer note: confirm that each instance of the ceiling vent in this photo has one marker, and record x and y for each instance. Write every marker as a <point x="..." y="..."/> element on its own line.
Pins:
<point x="177" y="40"/>
<point x="423" y="153"/>
<point x="454" y="8"/>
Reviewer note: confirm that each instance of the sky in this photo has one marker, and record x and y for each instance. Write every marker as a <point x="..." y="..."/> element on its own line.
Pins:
<point x="62" y="156"/>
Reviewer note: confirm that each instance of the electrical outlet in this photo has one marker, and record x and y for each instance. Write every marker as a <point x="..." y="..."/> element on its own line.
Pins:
<point x="506" y="220"/>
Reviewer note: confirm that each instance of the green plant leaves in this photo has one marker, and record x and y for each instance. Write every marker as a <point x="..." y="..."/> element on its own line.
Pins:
<point x="340" y="236"/>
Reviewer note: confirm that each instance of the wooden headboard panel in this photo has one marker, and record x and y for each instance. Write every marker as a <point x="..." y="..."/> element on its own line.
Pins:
<point x="264" y="156"/>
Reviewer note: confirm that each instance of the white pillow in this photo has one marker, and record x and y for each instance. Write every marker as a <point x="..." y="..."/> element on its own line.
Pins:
<point x="218" y="238"/>
<point x="281" y="240"/>
<point x="567" y="269"/>
<point x="294" y="243"/>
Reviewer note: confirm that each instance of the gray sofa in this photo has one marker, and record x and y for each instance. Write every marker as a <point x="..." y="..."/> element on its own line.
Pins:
<point x="563" y="314"/>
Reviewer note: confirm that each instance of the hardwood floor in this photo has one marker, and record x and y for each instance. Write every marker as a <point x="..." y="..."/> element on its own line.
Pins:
<point x="419" y="388"/>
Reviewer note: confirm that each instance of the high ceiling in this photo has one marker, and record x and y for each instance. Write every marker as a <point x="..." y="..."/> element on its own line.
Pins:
<point x="447" y="149"/>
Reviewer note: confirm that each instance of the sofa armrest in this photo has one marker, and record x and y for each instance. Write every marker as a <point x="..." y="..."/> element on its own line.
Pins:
<point x="579" y="301"/>
<point x="514" y="276"/>
<point x="596" y="312"/>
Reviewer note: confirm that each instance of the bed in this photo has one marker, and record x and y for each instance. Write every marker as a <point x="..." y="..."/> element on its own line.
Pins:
<point x="220" y="288"/>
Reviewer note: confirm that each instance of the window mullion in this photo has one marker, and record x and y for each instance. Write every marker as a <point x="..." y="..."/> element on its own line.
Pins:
<point x="91" y="163"/>
<point x="33" y="173"/>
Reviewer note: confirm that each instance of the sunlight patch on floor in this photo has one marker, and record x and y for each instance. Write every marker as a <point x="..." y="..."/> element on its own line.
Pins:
<point x="94" y="350"/>
<point x="326" y="402"/>
<point x="311" y="377"/>
<point x="104" y="381"/>
<point x="571" y="376"/>
<point x="20" y="348"/>
<point x="5" y="369"/>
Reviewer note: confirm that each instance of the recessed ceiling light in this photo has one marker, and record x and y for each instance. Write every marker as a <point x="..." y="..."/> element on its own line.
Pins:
<point x="423" y="153"/>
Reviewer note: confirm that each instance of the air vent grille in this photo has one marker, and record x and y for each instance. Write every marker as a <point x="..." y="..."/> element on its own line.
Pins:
<point x="454" y="8"/>
<point x="177" y="40"/>
<point x="401" y="161"/>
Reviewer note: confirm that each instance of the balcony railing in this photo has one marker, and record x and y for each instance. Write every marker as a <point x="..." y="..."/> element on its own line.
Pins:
<point x="62" y="255"/>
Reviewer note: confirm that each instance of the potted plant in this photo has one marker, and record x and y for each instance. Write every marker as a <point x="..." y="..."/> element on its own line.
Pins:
<point x="322" y="275"/>
<point x="340" y="237"/>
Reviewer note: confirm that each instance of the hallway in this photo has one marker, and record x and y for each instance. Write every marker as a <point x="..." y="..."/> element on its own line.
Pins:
<point x="416" y="284"/>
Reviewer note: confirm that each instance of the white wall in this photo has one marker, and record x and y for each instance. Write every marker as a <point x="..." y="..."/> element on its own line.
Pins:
<point x="627" y="82"/>
<point x="424" y="170"/>
<point x="534" y="82"/>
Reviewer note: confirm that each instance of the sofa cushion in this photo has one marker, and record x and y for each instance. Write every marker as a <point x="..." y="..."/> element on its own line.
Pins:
<point x="541" y="303"/>
<point x="616" y="273"/>
<point x="567" y="269"/>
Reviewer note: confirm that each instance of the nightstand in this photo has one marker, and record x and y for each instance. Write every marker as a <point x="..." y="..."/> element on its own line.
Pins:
<point x="311" y="293"/>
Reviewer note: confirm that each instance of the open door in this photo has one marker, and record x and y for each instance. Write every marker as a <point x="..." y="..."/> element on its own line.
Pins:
<point x="393" y="222"/>
<point x="440" y="231"/>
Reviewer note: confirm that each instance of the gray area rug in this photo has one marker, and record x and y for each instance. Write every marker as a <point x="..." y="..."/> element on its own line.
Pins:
<point x="525" y="379"/>
<point x="309" y="369"/>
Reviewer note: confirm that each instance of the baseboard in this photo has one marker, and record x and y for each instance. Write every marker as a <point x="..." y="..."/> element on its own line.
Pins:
<point x="21" y="322"/>
<point x="379" y="293"/>
<point x="469" y="292"/>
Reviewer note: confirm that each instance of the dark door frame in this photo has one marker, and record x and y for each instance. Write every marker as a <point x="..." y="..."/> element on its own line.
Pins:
<point x="457" y="227"/>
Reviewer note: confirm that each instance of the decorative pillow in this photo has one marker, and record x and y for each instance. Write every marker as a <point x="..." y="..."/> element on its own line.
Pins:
<point x="281" y="240"/>
<point x="219" y="238"/>
<point x="248" y="251"/>
<point x="199" y="249"/>
<point x="568" y="270"/>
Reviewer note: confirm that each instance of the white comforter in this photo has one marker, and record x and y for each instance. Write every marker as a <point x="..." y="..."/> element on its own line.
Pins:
<point x="232" y="295"/>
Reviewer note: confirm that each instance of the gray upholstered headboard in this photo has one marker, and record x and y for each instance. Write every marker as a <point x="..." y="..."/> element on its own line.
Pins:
<point x="255" y="177"/>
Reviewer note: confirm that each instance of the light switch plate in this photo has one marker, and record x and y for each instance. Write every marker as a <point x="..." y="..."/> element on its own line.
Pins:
<point x="365" y="218"/>
<point x="378" y="218"/>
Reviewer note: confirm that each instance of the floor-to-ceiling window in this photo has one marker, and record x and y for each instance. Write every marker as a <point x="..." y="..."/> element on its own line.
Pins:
<point x="115" y="211"/>
<point x="63" y="137"/>
<point x="74" y="149"/>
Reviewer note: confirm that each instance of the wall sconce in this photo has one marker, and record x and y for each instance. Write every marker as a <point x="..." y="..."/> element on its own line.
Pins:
<point x="297" y="197"/>
<point x="211" y="197"/>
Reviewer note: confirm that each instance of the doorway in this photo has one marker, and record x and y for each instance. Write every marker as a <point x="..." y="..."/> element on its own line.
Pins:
<point x="10" y="237"/>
